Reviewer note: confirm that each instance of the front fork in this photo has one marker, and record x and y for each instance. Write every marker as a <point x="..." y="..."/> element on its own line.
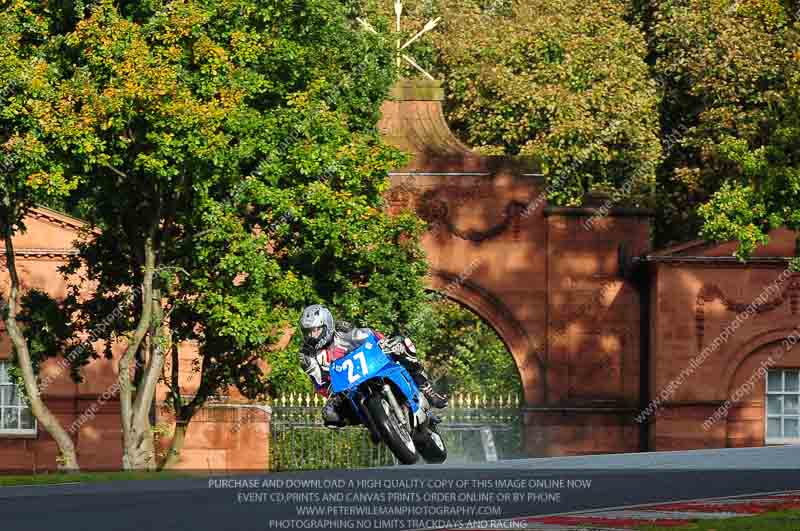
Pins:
<point x="398" y="411"/>
<point x="386" y="391"/>
<point x="411" y="423"/>
<point x="414" y="420"/>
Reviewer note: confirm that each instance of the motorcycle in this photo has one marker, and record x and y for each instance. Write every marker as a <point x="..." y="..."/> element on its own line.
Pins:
<point x="385" y="399"/>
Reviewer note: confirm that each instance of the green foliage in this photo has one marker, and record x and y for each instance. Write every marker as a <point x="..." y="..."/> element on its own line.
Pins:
<point x="45" y="327"/>
<point x="749" y="132"/>
<point x="462" y="353"/>
<point x="729" y="72"/>
<point x="28" y="174"/>
<point x="556" y="81"/>
<point x="736" y="213"/>
<point x="285" y="374"/>
<point x="237" y="140"/>
<point x="50" y="478"/>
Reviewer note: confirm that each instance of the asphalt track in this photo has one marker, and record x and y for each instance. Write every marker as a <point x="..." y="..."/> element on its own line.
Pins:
<point x="399" y="498"/>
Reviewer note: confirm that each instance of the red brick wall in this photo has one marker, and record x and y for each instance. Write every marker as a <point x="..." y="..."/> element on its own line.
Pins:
<point x="694" y="305"/>
<point x="223" y="437"/>
<point x="90" y="410"/>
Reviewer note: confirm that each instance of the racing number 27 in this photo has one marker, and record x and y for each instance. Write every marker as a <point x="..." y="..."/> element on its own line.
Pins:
<point x="348" y="364"/>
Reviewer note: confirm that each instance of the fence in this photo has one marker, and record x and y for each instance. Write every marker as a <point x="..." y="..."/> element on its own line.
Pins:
<point x="475" y="428"/>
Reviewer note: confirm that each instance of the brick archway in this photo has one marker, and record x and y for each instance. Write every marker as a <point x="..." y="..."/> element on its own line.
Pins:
<point x="549" y="280"/>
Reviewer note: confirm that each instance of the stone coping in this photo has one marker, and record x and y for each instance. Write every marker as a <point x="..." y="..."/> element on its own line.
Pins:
<point x="595" y="211"/>
<point x="264" y="407"/>
<point x="715" y="260"/>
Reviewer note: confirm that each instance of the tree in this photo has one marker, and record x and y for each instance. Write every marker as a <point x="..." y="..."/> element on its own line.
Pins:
<point x="27" y="176"/>
<point x="728" y="70"/>
<point x="556" y="81"/>
<point x="764" y="191"/>
<point x="233" y="173"/>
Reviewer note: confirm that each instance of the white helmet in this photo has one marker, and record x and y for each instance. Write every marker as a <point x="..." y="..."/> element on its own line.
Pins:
<point x="317" y="325"/>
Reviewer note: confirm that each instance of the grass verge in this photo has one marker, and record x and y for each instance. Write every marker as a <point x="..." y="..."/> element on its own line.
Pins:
<point x="85" y="477"/>
<point x="777" y="521"/>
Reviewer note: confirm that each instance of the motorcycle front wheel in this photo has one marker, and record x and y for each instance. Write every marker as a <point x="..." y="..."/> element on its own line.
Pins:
<point x="393" y="431"/>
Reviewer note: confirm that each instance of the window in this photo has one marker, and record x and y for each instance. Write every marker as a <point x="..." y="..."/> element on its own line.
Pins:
<point x="783" y="406"/>
<point x="15" y="415"/>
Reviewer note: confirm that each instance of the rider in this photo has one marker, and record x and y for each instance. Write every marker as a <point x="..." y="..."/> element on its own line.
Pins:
<point x="324" y="341"/>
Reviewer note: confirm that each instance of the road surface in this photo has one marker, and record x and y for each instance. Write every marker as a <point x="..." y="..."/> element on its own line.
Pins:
<point x="400" y="498"/>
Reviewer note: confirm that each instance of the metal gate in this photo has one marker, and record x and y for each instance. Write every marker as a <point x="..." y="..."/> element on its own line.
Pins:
<point x="475" y="428"/>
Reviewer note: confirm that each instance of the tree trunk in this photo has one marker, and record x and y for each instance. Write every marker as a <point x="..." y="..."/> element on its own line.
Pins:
<point x="181" y="422"/>
<point x="147" y="454"/>
<point x="175" y="447"/>
<point x="43" y="415"/>
<point x="134" y="428"/>
<point x="145" y="392"/>
<point x="139" y="449"/>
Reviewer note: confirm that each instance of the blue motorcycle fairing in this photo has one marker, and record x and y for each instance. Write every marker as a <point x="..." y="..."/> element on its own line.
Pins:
<point x="402" y="379"/>
<point x="367" y="362"/>
<point x="356" y="366"/>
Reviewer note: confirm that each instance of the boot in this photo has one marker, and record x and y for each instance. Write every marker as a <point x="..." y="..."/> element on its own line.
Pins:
<point x="331" y="412"/>
<point x="436" y="400"/>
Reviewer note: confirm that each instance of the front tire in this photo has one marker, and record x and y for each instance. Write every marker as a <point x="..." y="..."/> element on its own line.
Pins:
<point x="393" y="432"/>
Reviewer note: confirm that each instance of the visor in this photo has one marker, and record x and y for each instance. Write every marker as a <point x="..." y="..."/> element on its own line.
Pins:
<point x="312" y="333"/>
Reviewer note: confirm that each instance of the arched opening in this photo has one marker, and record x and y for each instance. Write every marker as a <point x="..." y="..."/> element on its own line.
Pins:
<point x="464" y="354"/>
<point x="525" y="351"/>
<point x="467" y="358"/>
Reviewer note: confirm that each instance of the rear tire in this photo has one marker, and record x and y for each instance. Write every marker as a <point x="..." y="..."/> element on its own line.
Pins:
<point x="393" y="433"/>
<point x="430" y="445"/>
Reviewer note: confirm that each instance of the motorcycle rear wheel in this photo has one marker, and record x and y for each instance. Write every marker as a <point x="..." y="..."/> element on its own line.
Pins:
<point x="393" y="433"/>
<point x="430" y="445"/>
